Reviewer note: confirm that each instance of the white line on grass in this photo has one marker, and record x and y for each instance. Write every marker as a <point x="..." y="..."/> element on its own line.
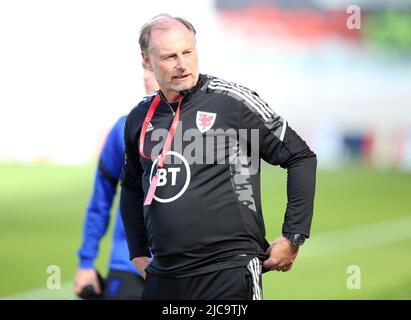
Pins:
<point x="361" y="237"/>
<point x="65" y="293"/>
<point x="365" y="236"/>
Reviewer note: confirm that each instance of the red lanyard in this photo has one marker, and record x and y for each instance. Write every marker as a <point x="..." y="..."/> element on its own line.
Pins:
<point x="166" y="147"/>
<point x="170" y="135"/>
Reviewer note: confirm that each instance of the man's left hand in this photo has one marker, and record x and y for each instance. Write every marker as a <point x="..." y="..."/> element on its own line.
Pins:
<point x="282" y="254"/>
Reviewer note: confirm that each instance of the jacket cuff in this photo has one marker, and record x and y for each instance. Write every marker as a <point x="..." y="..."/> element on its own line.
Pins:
<point x="86" y="263"/>
<point x="143" y="252"/>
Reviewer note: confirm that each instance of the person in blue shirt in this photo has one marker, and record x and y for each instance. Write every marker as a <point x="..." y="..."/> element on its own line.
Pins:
<point x="123" y="280"/>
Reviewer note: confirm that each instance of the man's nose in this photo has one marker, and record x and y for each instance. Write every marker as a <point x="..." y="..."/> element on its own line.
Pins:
<point x="181" y="63"/>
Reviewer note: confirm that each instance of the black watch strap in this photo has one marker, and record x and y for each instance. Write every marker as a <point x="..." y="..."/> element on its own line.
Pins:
<point x="296" y="238"/>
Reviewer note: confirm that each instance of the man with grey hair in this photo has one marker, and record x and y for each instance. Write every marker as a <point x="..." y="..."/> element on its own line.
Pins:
<point x="203" y="220"/>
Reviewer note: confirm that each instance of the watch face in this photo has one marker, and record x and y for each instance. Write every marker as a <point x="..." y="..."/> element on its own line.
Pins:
<point x="298" y="239"/>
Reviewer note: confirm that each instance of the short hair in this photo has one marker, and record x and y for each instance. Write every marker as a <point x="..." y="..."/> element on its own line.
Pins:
<point x="145" y="31"/>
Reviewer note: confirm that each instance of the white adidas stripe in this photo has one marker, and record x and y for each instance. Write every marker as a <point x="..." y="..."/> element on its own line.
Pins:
<point x="283" y="130"/>
<point x="258" y="276"/>
<point x="243" y="90"/>
<point x="151" y="94"/>
<point x="255" y="281"/>
<point x="255" y="269"/>
<point x="258" y="102"/>
<point x="241" y="96"/>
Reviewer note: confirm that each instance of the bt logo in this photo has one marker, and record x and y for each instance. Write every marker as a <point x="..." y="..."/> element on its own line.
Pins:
<point x="162" y="176"/>
<point x="169" y="176"/>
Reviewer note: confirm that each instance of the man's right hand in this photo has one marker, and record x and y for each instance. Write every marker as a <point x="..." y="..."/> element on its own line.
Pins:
<point x="141" y="263"/>
<point x="85" y="277"/>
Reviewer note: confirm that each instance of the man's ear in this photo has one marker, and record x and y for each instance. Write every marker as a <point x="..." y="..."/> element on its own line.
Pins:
<point x="146" y="61"/>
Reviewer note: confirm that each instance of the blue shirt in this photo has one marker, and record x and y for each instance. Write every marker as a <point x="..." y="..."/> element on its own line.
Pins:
<point x="98" y="211"/>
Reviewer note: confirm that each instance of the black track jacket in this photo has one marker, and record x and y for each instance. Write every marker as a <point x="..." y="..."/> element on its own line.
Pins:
<point x="206" y="215"/>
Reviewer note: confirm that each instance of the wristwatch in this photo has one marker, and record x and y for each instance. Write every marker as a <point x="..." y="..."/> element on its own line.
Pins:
<point x="296" y="238"/>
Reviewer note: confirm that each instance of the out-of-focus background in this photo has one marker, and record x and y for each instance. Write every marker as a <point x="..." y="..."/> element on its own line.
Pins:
<point x="340" y="73"/>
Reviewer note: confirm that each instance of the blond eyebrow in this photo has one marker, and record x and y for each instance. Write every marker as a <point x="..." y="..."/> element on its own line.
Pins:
<point x="170" y="54"/>
<point x="166" y="55"/>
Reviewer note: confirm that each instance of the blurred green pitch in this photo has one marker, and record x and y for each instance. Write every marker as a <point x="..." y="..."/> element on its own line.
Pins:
<point x="361" y="218"/>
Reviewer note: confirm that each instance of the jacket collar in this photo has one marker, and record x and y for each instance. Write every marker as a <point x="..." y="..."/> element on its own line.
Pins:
<point x="190" y="93"/>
